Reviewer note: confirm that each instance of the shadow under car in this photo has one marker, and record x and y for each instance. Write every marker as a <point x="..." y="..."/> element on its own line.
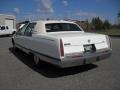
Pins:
<point x="49" y="70"/>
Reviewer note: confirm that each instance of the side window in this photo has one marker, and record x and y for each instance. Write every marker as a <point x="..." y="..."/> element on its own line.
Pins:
<point x="22" y="30"/>
<point x="0" y="27"/>
<point x="29" y="29"/>
<point x="3" y="28"/>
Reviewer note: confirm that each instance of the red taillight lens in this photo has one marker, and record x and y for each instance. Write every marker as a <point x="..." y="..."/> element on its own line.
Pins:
<point x="61" y="48"/>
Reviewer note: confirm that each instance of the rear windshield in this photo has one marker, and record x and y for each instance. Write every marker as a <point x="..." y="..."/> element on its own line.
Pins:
<point x="55" y="27"/>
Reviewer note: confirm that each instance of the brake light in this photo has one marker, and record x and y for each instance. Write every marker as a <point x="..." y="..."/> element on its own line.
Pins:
<point x="61" y="48"/>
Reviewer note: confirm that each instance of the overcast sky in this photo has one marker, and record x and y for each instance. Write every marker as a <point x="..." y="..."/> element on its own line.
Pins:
<point x="74" y="9"/>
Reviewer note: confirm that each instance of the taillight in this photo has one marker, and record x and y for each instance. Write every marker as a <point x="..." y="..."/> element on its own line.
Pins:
<point x="61" y="48"/>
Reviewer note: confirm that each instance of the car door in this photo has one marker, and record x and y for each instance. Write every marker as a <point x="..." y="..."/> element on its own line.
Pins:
<point x="28" y="39"/>
<point x="19" y="37"/>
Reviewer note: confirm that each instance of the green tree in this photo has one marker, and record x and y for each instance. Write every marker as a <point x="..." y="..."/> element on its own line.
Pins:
<point x="106" y="25"/>
<point x="118" y="16"/>
<point x="97" y="23"/>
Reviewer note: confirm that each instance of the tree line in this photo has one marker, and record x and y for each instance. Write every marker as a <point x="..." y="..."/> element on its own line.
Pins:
<point x="98" y="24"/>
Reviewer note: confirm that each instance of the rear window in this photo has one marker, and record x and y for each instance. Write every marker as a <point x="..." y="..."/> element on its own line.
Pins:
<point x="55" y="27"/>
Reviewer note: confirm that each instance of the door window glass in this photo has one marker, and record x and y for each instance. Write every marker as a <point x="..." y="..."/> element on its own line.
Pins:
<point x="29" y="29"/>
<point x="22" y="30"/>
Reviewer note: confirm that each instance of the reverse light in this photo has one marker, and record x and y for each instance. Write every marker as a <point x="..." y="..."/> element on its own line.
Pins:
<point x="61" y="48"/>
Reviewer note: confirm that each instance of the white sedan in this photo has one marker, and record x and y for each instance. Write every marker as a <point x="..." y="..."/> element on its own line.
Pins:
<point x="61" y="43"/>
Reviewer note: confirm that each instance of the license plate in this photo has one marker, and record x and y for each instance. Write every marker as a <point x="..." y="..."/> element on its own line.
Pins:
<point x="89" y="48"/>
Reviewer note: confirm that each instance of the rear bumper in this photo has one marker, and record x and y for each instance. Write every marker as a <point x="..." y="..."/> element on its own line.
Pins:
<point x="85" y="59"/>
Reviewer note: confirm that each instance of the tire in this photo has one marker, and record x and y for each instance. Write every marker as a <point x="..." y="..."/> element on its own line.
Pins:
<point x="36" y="60"/>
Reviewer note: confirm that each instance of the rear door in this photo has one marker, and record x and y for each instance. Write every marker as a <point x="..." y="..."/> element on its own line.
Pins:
<point x="24" y="37"/>
<point x="28" y="39"/>
<point x="19" y="37"/>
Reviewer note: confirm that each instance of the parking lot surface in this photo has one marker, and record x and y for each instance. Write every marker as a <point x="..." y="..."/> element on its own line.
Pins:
<point x="18" y="72"/>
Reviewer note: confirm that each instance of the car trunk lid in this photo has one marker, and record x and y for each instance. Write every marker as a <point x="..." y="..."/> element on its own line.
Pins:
<point x="79" y="42"/>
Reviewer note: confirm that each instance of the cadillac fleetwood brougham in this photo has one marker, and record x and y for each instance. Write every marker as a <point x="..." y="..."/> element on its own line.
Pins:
<point x="61" y="43"/>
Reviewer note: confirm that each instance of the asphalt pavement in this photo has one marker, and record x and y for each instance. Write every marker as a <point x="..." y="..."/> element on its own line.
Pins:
<point x="18" y="72"/>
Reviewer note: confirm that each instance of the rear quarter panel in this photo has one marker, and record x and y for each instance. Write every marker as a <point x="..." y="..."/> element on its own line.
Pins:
<point x="46" y="45"/>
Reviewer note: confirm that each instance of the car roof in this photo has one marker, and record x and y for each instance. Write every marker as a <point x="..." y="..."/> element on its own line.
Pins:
<point x="53" y="21"/>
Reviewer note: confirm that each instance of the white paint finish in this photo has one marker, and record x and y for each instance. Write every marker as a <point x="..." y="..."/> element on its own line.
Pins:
<point x="9" y="23"/>
<point x="78" y="39"/>
<point x="73" y="49"/>
<point x="49" y="43"/>
<point x="47" y="46"/>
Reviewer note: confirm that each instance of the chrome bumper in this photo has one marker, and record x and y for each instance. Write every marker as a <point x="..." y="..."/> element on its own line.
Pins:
<point x="85" y="59"/>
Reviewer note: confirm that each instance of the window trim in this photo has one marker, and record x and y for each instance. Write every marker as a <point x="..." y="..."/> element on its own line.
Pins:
<point x="30" y="30"/>
<point x="19" y="31"/>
